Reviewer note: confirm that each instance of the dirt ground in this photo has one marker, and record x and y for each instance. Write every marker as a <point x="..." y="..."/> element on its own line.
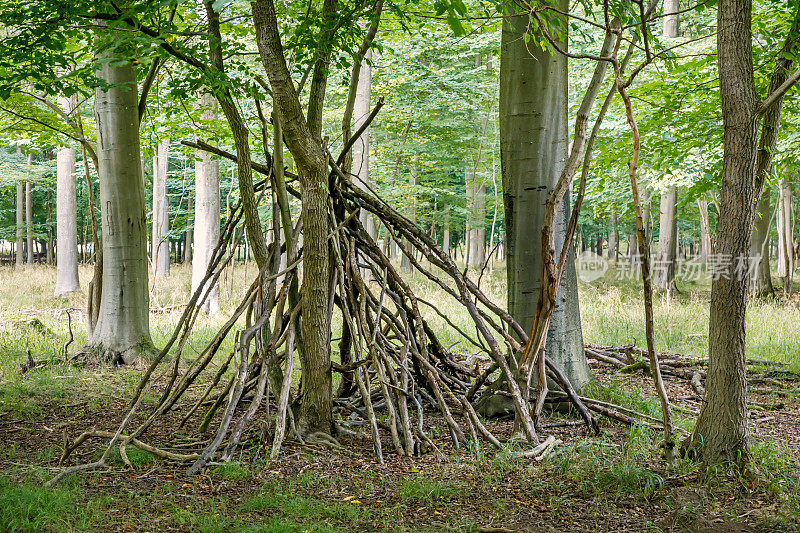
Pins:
<point x="615" y="482"/>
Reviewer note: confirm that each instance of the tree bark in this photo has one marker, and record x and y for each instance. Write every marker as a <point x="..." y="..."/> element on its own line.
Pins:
<point x="721" y="433"/>
<point x="66" y="214"/>
<point x="302" y="139"/>
<point x="533" y="146"/>
<point x="122" y="332"/>
<point x="664" y="268"/>
<point x="20" y="223"/>
<point x="160" y="240"/>
<point x="206" y="215"/>
<point x="613" y="237"/>
<point x="29" y="218"/>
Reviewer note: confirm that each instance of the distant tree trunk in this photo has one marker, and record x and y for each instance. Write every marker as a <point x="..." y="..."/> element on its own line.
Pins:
<point x="613" y="237"/>
<point x="122" y="332"/>
<point x="405" y="264"/>
<point x="664" y="268"/>
<point x="29" y="217"/>
<point x="705" y="230"/>
<point x="361" y="110"/>
<point x="477" y="239"/>
<point x="66" y="215"/>
<point x="206" y="214"/>
<point x="533" y="146"/>
<point x="759" y="247"/>
<point x="160" y="246"/>
<point x="446" y="236"/>
<point x="20" y="222"/>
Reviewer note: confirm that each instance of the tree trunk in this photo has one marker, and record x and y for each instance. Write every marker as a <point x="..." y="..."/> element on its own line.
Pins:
<point x="664" y="267"/>
<point x="29" y="217"/>
<point x="361" y="110"/>
<point x="759" y="247"/>
<point x="785" y="230"/>
<point x="66" y="215"/>
<point x="302" y="137"/>
<point x="20" y="222"/>
<point x="206" y="214"/>
<point x="706" y="249"/>
<point x="613" y="237"/>
<point x="122" y="332"/>
<point x="160" y="240"/>
<point x="721" y="433"/>
<point x="533" y="146"/>
<point x="477" y="238"/>
<point x="405" y="264"/>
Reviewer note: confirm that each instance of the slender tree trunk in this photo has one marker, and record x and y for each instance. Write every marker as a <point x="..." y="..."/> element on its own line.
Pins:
<point x="721" y="433"/>
<point x="206" y="214"/>
<point x="303" y="138"/>
<point x="533" y="146"/>
<point x="66" y="215"/>
<point x="361" y="110"/>
<point x="405" y="264"/>
<point x="29" y="217"/>
<point x="122" y="332"/>
<point x="160" y="240"/>
<point x="613" y="237"/>
<point x="706" y="248"/>
<point x="20" y="222"/>
<point x="762" y="282"/>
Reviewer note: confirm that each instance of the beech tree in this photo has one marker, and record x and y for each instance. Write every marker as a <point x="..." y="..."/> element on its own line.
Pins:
<point x="160" y="240"/>
<point x="122" y="331"/>
<point x="533" y="147"/>
<point x="66" y="214"/>
<point x="206" y="213"/>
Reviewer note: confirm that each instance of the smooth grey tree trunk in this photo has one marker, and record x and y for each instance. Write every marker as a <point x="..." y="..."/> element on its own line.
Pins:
<point x="613" y="237"/>
<point x="405" y="264"/>
<point x="206" y="215"/>
<point x="533" y="147"/>
<point x="785" y="229"/>
<point x="664" y="267"/>
<point x="759" y="247"/>
<point x="706" y="248"/>
<point x="29" y="217"/>
<point x="122" y="332"/>
<point x="66" y="215"/>
<point x="160" y="243"/>
<point x="20" y="260"/>
<point x="361" y="110"/>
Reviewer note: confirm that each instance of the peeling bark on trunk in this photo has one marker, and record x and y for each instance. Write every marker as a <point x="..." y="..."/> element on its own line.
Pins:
<point x="66" y="215"/>
<point x="160" y="241"/>
<point x="533" y="145"/>
<point x="122" y="332"/>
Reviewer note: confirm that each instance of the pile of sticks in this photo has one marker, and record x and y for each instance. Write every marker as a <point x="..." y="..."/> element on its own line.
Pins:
<point x="629" y="359"/>
<point x="391" y="357"/>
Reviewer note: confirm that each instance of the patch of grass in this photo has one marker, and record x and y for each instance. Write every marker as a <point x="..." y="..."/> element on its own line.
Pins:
<point x="35" y="508"/>
<point x="422" y="490"/>
<point x="282" y="500"/>
<point x="232" y="470"/>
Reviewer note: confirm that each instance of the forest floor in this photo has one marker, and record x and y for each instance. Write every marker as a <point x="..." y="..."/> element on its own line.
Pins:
<point x="612" y="482"/>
